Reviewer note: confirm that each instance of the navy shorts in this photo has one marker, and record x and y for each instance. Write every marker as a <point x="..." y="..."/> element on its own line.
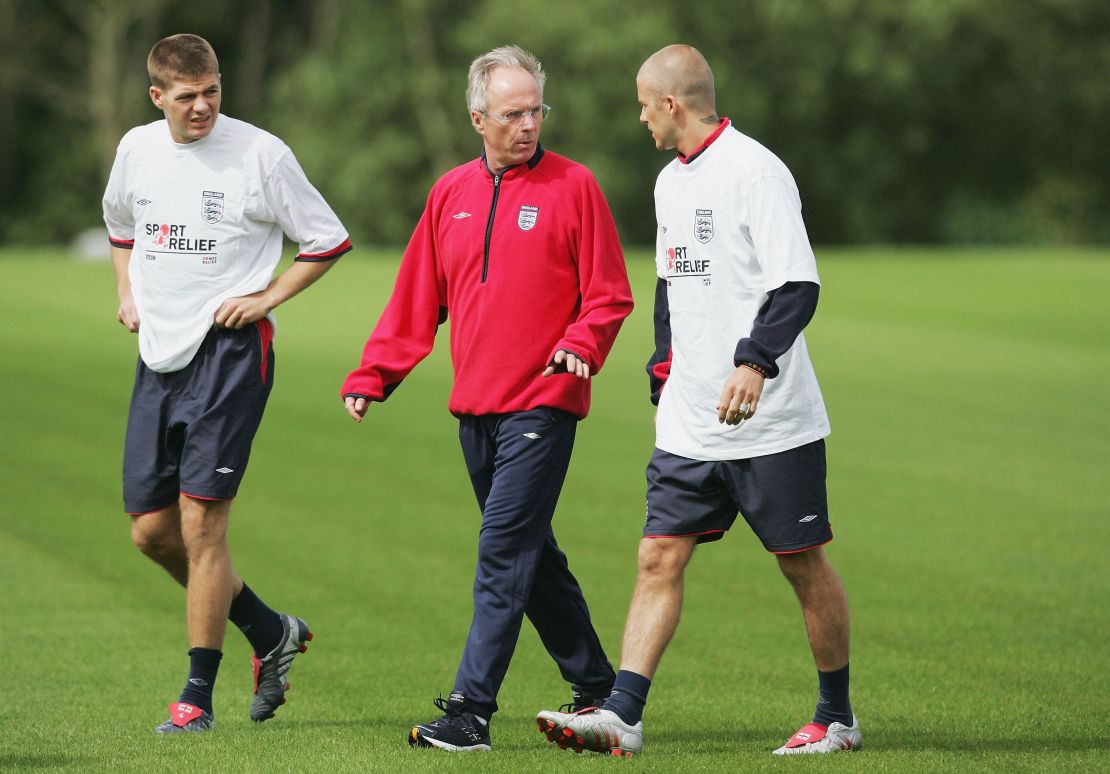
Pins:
<point x="190" y="431"/>
<point x="781" y="496"/>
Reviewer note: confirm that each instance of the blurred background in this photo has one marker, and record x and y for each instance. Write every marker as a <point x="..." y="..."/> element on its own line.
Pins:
<point x="965" y="375"/>
<point x="919" y="121"/>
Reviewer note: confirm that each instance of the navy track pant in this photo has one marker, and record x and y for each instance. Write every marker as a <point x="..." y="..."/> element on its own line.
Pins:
<point x="517" y="463"/>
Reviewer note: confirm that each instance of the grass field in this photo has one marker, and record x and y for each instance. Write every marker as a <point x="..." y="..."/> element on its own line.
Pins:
<point x="968" y="392"/>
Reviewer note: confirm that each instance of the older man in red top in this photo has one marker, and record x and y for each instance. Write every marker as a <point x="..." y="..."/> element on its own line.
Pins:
<point x="519" y="249"/>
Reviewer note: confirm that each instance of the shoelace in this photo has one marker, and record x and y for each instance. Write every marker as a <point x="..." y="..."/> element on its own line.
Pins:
<point x="446" y="707"/>
<point x="580" y="703"/>
<point x="456" y="716"/>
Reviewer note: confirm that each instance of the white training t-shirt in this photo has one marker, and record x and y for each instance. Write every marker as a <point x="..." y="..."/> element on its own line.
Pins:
<point x="204" y="220"/>
<point x="729" y="230"/>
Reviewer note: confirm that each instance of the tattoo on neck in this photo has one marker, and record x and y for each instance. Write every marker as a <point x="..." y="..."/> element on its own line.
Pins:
<point x="710" y="119"/>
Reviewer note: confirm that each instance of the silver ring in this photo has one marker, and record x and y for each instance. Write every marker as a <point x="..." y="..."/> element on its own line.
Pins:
<point x="744" y="408"/>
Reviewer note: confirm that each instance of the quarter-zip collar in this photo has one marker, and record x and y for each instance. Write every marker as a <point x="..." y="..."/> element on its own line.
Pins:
<point x="497" y="178"/>
<point x="531" y="163"/>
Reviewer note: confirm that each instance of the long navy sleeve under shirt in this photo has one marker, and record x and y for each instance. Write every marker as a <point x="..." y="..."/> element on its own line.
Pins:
<point x="786" y="312"/>
<point x="783" y="316"/>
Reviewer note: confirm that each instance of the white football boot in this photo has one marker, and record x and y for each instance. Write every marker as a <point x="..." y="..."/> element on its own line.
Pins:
<point x="815" y="738"/>
<point x="597" y="730"/>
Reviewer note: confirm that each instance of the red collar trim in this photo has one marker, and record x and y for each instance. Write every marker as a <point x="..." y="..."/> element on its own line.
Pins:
<point x="725" y="122"/>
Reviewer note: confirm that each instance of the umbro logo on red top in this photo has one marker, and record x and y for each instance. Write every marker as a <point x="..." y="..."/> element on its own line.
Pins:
<point x="460" y="215"/>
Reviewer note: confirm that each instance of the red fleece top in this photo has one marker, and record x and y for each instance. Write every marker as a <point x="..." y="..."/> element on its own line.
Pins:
<point x="523" y="269"/>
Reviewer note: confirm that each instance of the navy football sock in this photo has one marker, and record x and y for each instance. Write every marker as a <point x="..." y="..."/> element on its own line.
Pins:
<point x="629" y="696"/>
<point x="261" y="625"/>
<point x="832" y="704"/>
<point x="203" y="665"/>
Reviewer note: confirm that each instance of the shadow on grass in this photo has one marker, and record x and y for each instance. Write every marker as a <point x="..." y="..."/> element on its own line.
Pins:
<point x="947" y="742"/>
<point x="46" y="761"/>
<point x="691" y="742"/>
<point x="358" y="722"/>
<point x="928" y="741"/>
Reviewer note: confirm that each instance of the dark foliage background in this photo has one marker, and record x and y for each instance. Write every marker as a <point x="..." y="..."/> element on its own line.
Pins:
<point x="926" y="121"/>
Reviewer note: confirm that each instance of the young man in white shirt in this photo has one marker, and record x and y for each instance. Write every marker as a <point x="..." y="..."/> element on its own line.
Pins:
<point x="741" y="423"/>
<point x="196" y="205"/>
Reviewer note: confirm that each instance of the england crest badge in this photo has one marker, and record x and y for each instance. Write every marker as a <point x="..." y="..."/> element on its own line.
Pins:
<point x="703" y="225"/>
<point x="212" y="206"/>
<point x="527" y="217"/>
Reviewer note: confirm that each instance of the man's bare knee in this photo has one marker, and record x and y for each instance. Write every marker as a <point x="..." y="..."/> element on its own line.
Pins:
<point x="157" y="535"/>
<point x="203" y="522"/>
<point x="664" y="558"/>
<point x="806" y="568"/>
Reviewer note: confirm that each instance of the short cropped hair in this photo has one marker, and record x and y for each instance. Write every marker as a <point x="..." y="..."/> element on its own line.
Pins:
<point x="180" y="57"/>
<point x="505" y="56"/>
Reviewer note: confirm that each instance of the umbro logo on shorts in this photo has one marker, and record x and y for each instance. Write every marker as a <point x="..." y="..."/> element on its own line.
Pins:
<point x="808" y="518"/>
<point x="533" y="436"/>
<point x="224" y="470"/>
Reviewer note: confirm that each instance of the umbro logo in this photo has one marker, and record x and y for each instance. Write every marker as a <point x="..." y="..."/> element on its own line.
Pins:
<point x="533" y="436"/>
<point x="808" y="518"/>
<point x="198" y="681"/>
<point x="460" y="215"/>
<point x="224" y="470"/>
<point x="143" y="202"/>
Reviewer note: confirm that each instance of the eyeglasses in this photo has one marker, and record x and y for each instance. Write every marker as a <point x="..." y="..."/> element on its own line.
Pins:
<point x="514" y="117"/>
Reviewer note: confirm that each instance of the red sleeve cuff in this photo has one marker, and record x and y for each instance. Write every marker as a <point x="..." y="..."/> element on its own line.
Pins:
<point x="330" y="255"/>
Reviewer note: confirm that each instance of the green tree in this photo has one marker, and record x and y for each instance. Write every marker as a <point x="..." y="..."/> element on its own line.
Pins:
<point x="909" y="121"/>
